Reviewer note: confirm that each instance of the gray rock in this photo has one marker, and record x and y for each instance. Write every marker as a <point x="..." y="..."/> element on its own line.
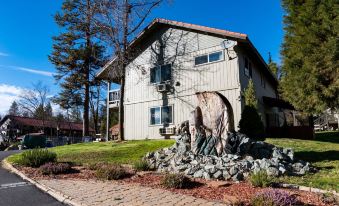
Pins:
<point x="217" y="175"/>
<point x="226" y="175"/>
<point x="272" y="171"/>
<point x="206" y="175"/>
<point x="238" y="177"/>
<point x="233" y="171"/>
<point x="198" y="174"/>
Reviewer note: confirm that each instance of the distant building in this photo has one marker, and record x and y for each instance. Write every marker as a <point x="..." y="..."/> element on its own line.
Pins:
<point x="15" y="126"/>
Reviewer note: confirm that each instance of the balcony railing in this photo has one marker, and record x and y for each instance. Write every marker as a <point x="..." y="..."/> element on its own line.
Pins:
<point x="114" y="98"/>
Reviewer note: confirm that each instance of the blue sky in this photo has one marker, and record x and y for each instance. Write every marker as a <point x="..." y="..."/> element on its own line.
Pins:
<point x="26" y="28"/>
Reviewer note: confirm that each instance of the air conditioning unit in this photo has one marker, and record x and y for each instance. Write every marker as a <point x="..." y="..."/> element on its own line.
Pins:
<point x="167" y="131"/>
<point x="162" y="87"/>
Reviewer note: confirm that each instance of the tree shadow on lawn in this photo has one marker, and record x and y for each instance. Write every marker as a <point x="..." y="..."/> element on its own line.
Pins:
<point x="314" y="156"/>
<point x="332" y="137"/>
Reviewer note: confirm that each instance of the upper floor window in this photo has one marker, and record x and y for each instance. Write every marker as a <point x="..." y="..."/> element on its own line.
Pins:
<point x="248" y="68"/>
<point x="161" y="115"/>
<point x="161" y="74"/>
<point x="207" y="58"/>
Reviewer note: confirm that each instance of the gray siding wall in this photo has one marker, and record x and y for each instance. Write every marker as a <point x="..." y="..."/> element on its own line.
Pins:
<point x="269" y="90"/>
<point x="180" y="49"/>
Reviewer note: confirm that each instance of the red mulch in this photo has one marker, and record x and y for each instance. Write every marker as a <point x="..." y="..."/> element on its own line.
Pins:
<point x="243" y="191"/>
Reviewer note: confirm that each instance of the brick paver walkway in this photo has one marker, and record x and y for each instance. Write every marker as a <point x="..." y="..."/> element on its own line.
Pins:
<point x="111" y="193"/>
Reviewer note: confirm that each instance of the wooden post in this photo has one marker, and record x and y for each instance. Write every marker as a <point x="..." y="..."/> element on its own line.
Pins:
<point x="107" y="112"/>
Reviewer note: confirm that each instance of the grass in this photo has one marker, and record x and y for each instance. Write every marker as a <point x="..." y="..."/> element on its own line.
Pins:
<point x="127" y="152"/>
<point x="322" y="152"/>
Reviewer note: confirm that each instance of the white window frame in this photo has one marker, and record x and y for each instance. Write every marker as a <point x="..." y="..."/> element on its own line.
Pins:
<point x="208" y="58"/>
<point x="161" y="82"/>
<point x="161" y="123"/>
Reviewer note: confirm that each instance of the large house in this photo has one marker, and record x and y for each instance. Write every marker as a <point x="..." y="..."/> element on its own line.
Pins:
<point x="174" y="61"/>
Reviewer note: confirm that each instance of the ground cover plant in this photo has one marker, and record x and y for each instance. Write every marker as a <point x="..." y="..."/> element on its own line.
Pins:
<point x="111" y="172"/>
<point x="53" y="168"/>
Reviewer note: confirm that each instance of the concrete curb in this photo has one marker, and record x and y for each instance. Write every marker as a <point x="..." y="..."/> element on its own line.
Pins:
<point x="55" y="194"/>
<point x="308" y="189"/>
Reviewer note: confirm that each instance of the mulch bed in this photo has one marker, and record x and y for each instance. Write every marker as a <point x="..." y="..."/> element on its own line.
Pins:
<point x="210" y="190"/>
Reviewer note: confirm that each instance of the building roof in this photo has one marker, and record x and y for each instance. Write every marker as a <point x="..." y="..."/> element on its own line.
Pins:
<point x="28" y="121"/>
<point x="159" y="22"/>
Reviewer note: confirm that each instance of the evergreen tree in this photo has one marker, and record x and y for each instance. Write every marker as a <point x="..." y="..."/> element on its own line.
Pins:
<point x="14" y="109"/>
<point x="273" y="66"/>
<point x="249" y="95"/>
<point x="250" y="122"/>
<point x="77" y="54"/>
<point x="39" y="112"/>
<point x="48" y="111"/>
<point x="310" y="72"/>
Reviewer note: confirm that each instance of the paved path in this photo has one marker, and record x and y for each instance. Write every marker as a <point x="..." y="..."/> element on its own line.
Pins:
<point x="110" y="193"/>
<point x="16" y="192"/>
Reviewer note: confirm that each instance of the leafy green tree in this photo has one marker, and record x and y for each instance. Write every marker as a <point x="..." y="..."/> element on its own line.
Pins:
<point x="77" y="53"/>
<point x="273" y="66"/>
<point x="250" y="122"/>
<point x="310" y="54"/>
<point x="14" y="109"/>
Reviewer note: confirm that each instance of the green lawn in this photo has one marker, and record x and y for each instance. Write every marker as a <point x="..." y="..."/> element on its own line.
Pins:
<point x="124" y="152"/>
<point x="323" y="152"/>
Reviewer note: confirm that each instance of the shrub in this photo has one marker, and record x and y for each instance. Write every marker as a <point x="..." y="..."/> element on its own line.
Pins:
<point x="111" y="172"/>
<point x="37" y="157"/>
<point x="141" y="165"/>
<point x="273" y="198"/>
<point x="55" y="168"/>
<point x="251" y="124"/>
<point x="177" y="181"/>
<point x="260" y="179"/>
<point x="95" y="166"/>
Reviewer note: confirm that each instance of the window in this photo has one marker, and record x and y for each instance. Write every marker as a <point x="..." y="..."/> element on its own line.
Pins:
<point x="248" y="68"/>
<point x="161" y="74"/>
<point x="212" y="57"/>
<point x="161" y="115"/>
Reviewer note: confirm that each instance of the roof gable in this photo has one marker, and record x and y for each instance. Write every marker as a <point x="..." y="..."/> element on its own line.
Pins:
<point x="158" y="23"/>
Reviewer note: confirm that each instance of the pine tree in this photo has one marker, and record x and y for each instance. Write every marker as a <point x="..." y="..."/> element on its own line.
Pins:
<point x="14" y="109"/>
<point x="48" y="111"/>
<point x="77" y="53"/>
<point x="273" y="66"/>
<point x="250" y="122"/>
<point x="310" y="52"/>
<point x="249" y="95"/>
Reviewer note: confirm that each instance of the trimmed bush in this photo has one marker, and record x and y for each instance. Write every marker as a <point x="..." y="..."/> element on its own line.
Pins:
<point x="111" y="172"/>
<point x="251" y="124"/>
<point x="95" y="166"/>
<point x="141" y="165"/>
<point x="177" y="181"/>
<point x="55" y="168"/>
<point x="260" y="179"/>
<point x="273" y="198"/>
<point x="37" y="157"/>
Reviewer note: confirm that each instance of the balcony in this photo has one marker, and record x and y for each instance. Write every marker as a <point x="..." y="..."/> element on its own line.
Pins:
<point x="114" y="98"/>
